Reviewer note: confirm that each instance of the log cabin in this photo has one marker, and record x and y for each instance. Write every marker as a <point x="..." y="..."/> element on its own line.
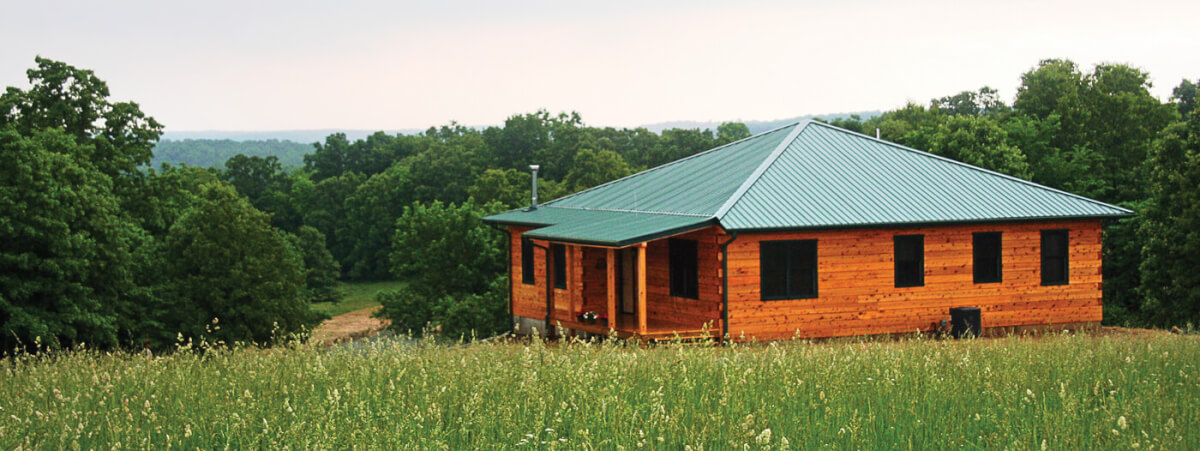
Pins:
<point x="807" y="230"/>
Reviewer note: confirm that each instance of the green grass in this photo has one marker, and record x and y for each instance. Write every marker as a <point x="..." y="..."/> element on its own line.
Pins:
<point x="1059" y="392"/>
<point x="356" y="296"/>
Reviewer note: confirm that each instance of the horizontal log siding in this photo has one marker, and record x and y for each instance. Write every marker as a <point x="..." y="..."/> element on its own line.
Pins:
<point x="857" y="293"/>
<point x="693" y="312"/>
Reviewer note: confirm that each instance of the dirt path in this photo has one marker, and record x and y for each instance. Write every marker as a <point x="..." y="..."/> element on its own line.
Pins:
<point x="348" y="327"/>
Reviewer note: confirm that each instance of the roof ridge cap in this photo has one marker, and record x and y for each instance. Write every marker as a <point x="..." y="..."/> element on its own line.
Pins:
<point x="761" y="169"/>
<point x="976" y="168"/>
<point x="673" y="162"/>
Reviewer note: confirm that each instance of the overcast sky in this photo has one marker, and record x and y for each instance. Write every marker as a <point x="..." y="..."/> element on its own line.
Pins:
<point x="288" y="65"/>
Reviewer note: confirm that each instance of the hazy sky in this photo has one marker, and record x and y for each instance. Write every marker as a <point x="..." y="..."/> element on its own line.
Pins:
<point x="283" y="65"/>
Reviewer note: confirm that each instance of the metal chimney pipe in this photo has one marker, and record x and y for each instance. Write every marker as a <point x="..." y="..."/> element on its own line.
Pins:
<point x="533" y="202"/>
<point x="876" y="133"/>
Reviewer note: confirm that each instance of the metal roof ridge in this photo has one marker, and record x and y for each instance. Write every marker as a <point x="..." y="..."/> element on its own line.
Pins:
<point x="672" y="163"/>
<point x="616" y="210"/>
<point x="970" y="166"/>
<point x="761" y="169"/>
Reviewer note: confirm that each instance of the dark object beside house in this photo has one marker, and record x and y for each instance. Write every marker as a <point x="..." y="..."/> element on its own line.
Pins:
<point x="965" y="322"/>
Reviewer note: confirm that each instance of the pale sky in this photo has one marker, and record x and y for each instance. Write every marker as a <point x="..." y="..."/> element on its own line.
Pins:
<point x="291" y="65"/>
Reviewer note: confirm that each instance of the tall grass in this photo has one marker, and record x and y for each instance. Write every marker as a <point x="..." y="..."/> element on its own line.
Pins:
<point x="1074" y="392"/>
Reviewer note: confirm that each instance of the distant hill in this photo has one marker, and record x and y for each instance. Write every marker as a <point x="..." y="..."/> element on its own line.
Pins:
<point x="212" y="153"/>
<point x="755" y="126"/>
<point x="211" y="148"/>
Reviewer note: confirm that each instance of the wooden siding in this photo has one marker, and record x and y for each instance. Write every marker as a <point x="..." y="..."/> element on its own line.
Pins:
<point x="857" y="293"/>
<point x="664" y="307"/>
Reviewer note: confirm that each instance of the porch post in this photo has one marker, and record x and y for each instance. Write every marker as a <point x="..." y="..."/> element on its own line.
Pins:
<point x="641" y="286"/>
<point x="612" y="289"/>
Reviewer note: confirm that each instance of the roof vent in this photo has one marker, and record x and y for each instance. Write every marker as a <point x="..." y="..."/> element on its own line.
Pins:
<point x="533" y="168"/>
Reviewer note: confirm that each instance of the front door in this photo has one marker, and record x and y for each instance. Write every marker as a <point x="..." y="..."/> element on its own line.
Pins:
<point x="627" y="275"/>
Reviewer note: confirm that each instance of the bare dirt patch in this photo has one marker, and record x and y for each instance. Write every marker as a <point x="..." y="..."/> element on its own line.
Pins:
<point x="348" y="327"/>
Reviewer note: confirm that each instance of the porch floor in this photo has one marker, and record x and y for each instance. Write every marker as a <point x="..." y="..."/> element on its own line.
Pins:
<point x="627" y="327"/>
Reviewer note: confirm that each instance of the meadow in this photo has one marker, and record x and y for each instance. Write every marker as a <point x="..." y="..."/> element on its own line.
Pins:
<point x="1052" y="392"/>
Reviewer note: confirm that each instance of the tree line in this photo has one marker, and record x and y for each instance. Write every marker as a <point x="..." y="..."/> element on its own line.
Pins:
<point x="96" y="247"/>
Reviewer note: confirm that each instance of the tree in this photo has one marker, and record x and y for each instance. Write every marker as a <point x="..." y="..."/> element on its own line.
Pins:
<point x="321" y="271"/>
<point x="323" y="206"/>
<point x="1185" y="96"/>
<point x="118" y="135"/>
<point x="1171" y="255"/>
<point x="592" y="168"/>
<point x="454" y="264"/>
<point x="731" y="131"/>
<point x="978" y="141"/>
<point x="371" y="214"/>
<point x="984" y="102"/>
<point x="232" y="276"/>
<point x="506" y="186"/>
<point x="66" y="252"/>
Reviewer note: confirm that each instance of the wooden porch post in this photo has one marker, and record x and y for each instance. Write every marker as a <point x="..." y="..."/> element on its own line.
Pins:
<point x="641" y="286"/>
<point x="612" y="289"/>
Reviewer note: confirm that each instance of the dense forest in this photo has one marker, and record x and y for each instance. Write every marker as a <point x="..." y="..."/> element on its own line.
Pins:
<point x="98" y="247"/>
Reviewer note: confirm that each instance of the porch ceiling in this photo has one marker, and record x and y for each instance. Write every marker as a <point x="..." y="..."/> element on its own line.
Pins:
<point x="606" y="228"/>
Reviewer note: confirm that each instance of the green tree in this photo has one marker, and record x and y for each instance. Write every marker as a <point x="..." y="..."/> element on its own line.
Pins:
<point x="506" y="186"/>
<point x="1185" y="96"/>
<point x="321" y="271"/>
<point x="223" y="261"/>
<point x="731" y="131"/>
<point x="119" y="136"/>
<point x="66" y="251"/>
<point x="592" y="168"/>
<point x="323" y="206"/>
<point x="978" y="141"/>
<point x="452" y="262"/>
<point x="1171" y="255"/>
<point x="371" y="214"/>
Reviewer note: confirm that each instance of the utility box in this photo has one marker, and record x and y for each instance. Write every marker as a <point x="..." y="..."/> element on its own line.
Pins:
<point x="965" y="322"/>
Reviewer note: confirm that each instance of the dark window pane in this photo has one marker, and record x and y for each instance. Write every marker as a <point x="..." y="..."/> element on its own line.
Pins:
<point x="1055" y="247"/>
<point x="684" y="268"/>
<point x="988" y="264"/>
<point x="789" y="269"/>
<point x="910" y="260"/>
<point x="560" y="265"/>
<point x="527" y="275"/>
<point x="774" y="269"/>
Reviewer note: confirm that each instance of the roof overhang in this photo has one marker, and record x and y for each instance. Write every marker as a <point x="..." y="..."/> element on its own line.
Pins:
<point x="601" y="228"/>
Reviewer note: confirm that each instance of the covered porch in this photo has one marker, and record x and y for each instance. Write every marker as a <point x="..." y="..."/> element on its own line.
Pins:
<point x="633" y="275"/>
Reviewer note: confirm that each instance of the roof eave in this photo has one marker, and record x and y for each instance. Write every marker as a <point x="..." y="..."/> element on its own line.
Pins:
<point x="926" y="223"/>
<point x="626" y="242"/>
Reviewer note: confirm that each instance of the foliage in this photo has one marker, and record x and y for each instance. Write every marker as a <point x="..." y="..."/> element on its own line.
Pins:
<point x="321" y="272"/>
<point x="1171" y="256"/>
<point x="66" y="252"/>
<point x="1066" y="392"/>
<point x="224" y="262"/>
<point x="593" y="168"/>
<point x="444" y="249"/>
<point x="453" y="263"/>
<point x="371" y="214"/>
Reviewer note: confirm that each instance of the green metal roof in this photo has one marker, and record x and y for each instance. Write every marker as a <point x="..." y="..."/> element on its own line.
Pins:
<point x="805" y="175"/>
<point x="601" y="227"/>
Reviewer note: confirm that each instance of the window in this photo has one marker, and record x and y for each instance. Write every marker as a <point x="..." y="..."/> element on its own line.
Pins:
<point x="1055" y="268"/>
<point x="560" y="265"/>
<point x="527" y="275"/>
<point x="789" y="269"/>
<point x="684" y="269"/>
<point x="988" y="266"/>
<point x="910" y="260"/>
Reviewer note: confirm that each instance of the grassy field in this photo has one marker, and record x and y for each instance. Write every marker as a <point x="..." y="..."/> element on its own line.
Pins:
<point x="356" y="296"/>
<point x="1058" y="392"/>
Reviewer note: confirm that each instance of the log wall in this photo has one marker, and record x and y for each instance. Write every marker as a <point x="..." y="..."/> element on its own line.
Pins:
<point x="857" y="293"/>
